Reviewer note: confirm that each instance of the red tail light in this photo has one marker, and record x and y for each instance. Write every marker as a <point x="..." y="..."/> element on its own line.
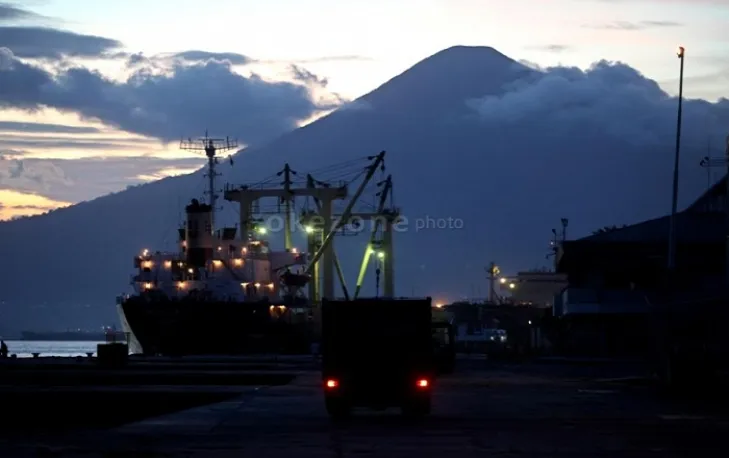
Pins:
<point x="423" y="383"/>
<point x="331" y="383"/>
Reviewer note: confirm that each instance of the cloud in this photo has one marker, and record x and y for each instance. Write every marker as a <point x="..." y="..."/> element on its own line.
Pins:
<point x="44" y="42"/>
<point x="75" y="180"/>
<point x="35" y="176"/>
<point x="608" y="99"/>
<point x="10" y="12"/>
<point x="39" y="127"/>
<point x="35" y="41"/>
<point x="204" y="56"/>
<point x="307" y="77"/>
<point x="662" y="24"/>
<point x="14" y="204"/>
<point x="80" y="143"/>
<point x="630" y="26"/>
<point x="183" y="101"/>
<point x="165" y="59"/>
<point x="552" y="48"/>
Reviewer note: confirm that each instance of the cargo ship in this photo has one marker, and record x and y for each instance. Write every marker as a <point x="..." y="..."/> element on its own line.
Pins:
<point x="225" y="291"/>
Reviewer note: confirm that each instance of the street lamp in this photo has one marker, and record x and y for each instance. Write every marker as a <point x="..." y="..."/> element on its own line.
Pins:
<point x="674" y="201"/>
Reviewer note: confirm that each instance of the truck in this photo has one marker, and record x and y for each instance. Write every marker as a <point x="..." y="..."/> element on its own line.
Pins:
<point x="377" y="353"/>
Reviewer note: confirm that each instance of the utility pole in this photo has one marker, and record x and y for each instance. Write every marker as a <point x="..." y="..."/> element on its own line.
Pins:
<point x="493" y="272"/>
<point x="726" y="206"/>
<point x="674" y="200"/>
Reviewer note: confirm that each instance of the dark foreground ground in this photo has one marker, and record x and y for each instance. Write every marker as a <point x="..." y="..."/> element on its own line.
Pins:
<point x="486" y="410"/>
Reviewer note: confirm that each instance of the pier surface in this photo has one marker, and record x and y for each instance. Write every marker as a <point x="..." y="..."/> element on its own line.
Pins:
<point x="486" y="409"/>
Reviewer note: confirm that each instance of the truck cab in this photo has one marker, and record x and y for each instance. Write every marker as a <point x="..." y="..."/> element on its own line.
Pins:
<point x="377" y="353"/>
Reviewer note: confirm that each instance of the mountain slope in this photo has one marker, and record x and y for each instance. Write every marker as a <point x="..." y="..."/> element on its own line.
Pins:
<point x="471" y="136"/>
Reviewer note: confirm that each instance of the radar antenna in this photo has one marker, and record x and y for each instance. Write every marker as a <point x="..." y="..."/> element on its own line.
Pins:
<point x="211" y="146"/>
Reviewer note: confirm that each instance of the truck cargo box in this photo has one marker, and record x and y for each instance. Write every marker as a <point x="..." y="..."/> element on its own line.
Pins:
<point x="377" y="352"/>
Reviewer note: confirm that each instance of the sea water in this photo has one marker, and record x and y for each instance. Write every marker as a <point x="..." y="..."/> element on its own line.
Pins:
<point x="26" y="348"/>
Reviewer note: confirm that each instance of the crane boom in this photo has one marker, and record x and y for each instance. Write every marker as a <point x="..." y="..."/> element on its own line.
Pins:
<point x="347" y="212"/>
<point x="337" y="265"/>
<point x="368" y="251"/>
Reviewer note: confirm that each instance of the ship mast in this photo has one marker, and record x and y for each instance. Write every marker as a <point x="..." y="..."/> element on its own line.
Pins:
<point x="210" y="146"/>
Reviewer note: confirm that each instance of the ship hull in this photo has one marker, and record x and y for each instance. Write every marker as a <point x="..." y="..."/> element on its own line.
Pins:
<point x="207" y="327"/>
<point x="132" y="342"/>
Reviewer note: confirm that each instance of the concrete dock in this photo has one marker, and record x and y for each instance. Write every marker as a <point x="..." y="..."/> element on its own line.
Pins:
<point x="487" y="409"/>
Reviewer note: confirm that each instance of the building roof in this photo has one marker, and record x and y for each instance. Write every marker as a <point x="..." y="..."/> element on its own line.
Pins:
<point x="691" y="227"/>
<point x="715" y="193"/>
<point x="704" y="221"/>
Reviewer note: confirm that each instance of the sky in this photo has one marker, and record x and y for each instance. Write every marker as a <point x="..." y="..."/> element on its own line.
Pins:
<point x="95" y="95"/>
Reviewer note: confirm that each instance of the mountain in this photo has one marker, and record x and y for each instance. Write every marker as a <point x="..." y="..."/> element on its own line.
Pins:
<point x="470" y="135"/>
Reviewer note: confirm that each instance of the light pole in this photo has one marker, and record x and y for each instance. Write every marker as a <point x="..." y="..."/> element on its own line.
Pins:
<point x="674" y="202"/>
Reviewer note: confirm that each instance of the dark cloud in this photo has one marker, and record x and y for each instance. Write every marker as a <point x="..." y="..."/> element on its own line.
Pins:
<point x="203" y="56"/>
<point x="39" y="127"/>
<point x="135" y="59"/>
<point x="162" y="60"/>
<point x="628" y="106"/>
<point x="66" y="143"/>
<point x="10" y="12"/>
<point x="43" y="42"/>
<point x="20" y="83"/>
<point x="627" y="25"/>
<point x="32" y="207"/>
<point x="662" y="24"/>
<point x="305" y="76"/>
<point x="24" y="176"/>
<point x="34" y="41"/>
<point x="181" y="102"/>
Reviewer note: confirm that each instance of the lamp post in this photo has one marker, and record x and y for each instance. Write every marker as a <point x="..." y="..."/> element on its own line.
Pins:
<point x="674" y="201"/>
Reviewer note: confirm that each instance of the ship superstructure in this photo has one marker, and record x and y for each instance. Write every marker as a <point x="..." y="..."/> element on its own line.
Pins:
<point x="214" y="265"/>
<point x="226" y="291"/>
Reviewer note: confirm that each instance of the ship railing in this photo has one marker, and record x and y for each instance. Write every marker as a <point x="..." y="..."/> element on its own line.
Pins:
<point x="175" y="254"/>
<point x="257" y="186"/>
